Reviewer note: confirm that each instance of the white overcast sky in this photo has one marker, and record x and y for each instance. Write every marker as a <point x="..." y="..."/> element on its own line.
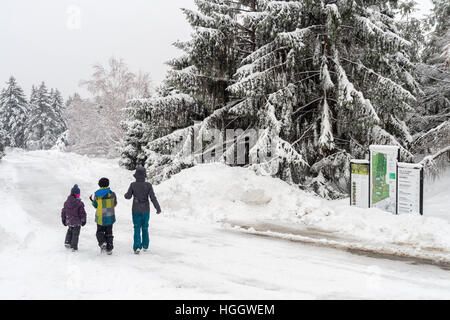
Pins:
<point x="57" y="41"/>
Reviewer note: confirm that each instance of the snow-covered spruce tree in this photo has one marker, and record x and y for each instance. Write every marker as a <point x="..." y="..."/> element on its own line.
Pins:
<point x="57" y="102"/>
<point x="213" y="54"/>
<point x="152" y="118"/>
<point x="411" y="28"/>
<point x="13" y="113"/>
<point x="45" y="124"/>
<point x="434" y="107"/>
<point x="136" y="130"/>
<point x="195" y="87"/>
<point x="33" y="96"/>
<point x="438" y="47"/>
<point x="328" y="78"/>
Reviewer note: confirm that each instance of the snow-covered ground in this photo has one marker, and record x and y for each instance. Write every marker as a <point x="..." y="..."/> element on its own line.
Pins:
<point x="204" y="245"/>
<point x="437" y="197"/>
<point x="238" y="197"/>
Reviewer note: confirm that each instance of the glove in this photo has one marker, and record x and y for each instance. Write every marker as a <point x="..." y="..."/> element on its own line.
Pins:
<point x="83" y="223"/>
<point x="159" y="212"/>
<point x="90" y="198"/>
<point x="64" y="222"/>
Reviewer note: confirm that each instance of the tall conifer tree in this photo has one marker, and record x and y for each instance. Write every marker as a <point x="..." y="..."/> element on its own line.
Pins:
<point x="45" y="124"/>
<point x="2" y="142"/>
<point x="434" y="108"/>
<point x="320" y="79"/>
<point x="13" y="113"/>
<point x="335" y="77"/>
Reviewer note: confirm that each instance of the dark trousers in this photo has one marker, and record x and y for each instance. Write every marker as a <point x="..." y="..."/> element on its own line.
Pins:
<point x="72" y="236"/>
<point x="105" y="235"/>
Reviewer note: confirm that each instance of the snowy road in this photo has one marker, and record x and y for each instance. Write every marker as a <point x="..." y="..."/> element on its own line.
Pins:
<point x="187" y="260"/>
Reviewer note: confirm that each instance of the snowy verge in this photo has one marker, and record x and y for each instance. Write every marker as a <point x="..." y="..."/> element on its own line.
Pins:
<point x="360" y="247"/>
<point x="33" y="186"/>
<point x="219" y="193"/>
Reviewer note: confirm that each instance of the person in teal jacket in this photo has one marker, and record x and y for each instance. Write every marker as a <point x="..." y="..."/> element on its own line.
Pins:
<point x="141" y="191"/>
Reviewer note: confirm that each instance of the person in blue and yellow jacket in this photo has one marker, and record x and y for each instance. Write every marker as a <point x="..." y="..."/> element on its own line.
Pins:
<point x="105" y="201"/>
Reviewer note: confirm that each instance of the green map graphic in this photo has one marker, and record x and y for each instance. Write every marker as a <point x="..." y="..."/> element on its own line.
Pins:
<point x="379" y="175"/>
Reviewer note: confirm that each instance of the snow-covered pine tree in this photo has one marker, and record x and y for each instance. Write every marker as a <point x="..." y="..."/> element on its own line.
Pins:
<point x="195" y="87"/>
<point x="57" y="102"/>
<point x="328" y="78"/>
<point x="13" y="113"/>
<point x="411" y="28"/>
<point x="438" y="48"/>
<point x="33" y="96"/>
<point x="136" y="130"/>
<point x="211" y="56"/>
<point x="2" y="142"/>
<point x="45" y="124"/>
<point x="434" y="107"/>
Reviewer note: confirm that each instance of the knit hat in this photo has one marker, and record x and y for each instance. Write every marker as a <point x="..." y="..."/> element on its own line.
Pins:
<point x="103" y="183"/>
<point x="75" y="190"/>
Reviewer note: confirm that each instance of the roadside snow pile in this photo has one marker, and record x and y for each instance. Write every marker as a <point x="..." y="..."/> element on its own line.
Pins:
<point x="33" y="186"/>
<point x="377" y="226"/>
<point x="15" y="224"/>
<point x="220" y="193"/>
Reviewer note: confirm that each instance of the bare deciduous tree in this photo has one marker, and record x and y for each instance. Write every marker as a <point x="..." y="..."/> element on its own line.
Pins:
<point x="94" y="124"/>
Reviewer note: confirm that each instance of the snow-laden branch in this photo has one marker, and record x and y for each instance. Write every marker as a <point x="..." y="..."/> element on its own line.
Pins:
<point x="372" y="29"/>
<point x="429" y="160"/>
<point x="386" y="82"/>
<point x="347" y="92"/>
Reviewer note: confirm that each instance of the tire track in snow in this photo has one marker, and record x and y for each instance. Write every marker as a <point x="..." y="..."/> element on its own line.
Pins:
<point x="327" y="239"/>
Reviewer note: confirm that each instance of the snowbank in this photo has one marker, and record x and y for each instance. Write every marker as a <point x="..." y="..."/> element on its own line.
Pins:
<point x="193" y="256"/>
<point x="214" y="193"/>
<point x="219" y="193"/>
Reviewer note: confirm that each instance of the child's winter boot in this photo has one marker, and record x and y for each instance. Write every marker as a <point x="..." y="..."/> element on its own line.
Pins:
<point x="102" y="247"/>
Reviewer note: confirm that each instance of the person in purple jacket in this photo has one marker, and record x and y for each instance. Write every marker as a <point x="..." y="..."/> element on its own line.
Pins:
<point x="73" y="216"/>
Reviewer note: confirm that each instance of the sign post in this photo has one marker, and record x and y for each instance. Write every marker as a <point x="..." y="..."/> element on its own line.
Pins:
<point x="383" y="177"/>
<point x="359" y="183"/>
<point x="410" y="189"/>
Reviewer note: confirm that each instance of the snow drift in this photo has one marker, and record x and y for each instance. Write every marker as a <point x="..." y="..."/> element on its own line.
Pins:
<point x="192" y="255"/>
<point x="230" y="196"/>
